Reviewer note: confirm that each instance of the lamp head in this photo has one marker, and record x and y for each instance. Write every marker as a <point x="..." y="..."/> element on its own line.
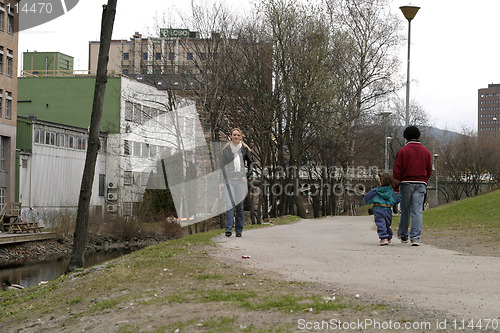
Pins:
<point x="409" y="11"/>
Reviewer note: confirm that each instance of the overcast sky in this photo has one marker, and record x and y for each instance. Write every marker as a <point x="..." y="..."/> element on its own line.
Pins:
<point x="455" y="48"/>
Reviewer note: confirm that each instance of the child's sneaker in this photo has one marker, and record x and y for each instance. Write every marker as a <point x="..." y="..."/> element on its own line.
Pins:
<point x="383" y="242"/>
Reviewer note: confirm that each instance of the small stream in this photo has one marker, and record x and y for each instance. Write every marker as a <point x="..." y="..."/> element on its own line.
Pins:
<point x="33" y="273"/>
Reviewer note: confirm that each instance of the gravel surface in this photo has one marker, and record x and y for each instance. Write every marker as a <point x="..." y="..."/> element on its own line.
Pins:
<point x="344" y="251"/>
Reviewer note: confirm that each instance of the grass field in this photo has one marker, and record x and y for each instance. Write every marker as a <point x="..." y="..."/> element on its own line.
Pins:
<point x="177" y="285"/>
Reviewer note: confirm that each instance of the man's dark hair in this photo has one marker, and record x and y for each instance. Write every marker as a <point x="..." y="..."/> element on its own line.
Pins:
<point x="411" y="133"/>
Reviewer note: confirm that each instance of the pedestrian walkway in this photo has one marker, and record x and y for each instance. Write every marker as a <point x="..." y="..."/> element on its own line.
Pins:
<point x="343" y="251"/>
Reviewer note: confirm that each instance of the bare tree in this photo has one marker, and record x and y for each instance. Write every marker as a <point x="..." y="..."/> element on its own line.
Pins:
<point x="464" y="162"/>
<point x="80" y="236"/>
<point x="370" y="65"/>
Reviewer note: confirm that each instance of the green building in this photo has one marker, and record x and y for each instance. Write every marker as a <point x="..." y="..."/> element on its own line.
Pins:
<point x="68" y="100"/>
<point x="47" y="64"/>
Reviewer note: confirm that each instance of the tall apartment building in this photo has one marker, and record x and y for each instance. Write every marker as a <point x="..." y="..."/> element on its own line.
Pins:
<point x="9" y="23"/>
<point x="176" y="51"/>
<point x="489" y="111"/>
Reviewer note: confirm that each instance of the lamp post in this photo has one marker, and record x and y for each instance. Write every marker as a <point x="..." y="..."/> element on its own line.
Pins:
<point x="386" y="115"/>
<point x="409" y="12"/>
<point x="387" y="140"/>
<point x="436" y="170"/>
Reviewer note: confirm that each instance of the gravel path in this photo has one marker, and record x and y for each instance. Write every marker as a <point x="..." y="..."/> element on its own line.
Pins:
<point x="343" y="251"/>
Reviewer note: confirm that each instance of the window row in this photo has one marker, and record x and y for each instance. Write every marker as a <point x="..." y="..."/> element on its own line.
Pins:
<point x="142" y="149"/>
<point x="142" y="114"/>
<point x="490" y="95"/>
<point x="495" y="108"/>
<point x="145" y="71"/>
<point x="489" y="122"/>
<point x="8" y="104"/>
<point x="490" y="102"/>
<point x="60" y="140"/>
<point x="488" y="129"/>
<point x="171" y="56"/>
<point x="490" y="115"/>
<point x="10" y="18"/>
<point x="139" y="178"/>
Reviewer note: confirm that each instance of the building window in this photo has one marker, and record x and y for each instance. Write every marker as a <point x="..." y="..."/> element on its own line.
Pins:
<point x="128" y="110"/>
<point x="127" y="177"/>
<point x="2" y="15"/>
<point x="3" y="154"/>
<point x="171" y="56"/>
<point x="61" y="140"/>
<point x="126" y="56"/>
<point x="145" y="150"/>
<point x="158" y="56"/>
<point x="153" y="151"/>
<point x="37" y="136"/>
<point x="71" y="142"/>
<point x="137" y="149"/>
<point x="137" y="114"/>
<point x="126" y="147"/>
<point x="1" y="59"/>
<point x="1" y="103"/>
<point x="82" y="144"/>
<point x="190" y="56"/>
<point x="203" y="56"/>
<point x="9" y="62"/>
<point x="125" y="71"/>
<point x="145" y="56"/>
<point x="50" y="138"/>
<point x="10" y="21"/>
<point x="8" y="105"/>
<point x="145" y="71"/>
<point x="2" y="197"/>
<point x="102" y="184"/>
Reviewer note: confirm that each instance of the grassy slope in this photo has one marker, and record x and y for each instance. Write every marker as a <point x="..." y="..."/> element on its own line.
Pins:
<point x="482" y="211"/>
<point x="181" y="273"/>
<point x="153" y="289"/>
<point x="470" y="226"/>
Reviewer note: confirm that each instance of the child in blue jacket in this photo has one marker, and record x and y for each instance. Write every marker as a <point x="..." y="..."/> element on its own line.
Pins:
<point x="383" y="199"/>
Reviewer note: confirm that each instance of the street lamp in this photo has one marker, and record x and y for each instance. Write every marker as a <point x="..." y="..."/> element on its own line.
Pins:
<point x="387" y="140"/>
<point x="386" y="115"/>
<point x="436" y="170"/>
<point x="409" y="12"/>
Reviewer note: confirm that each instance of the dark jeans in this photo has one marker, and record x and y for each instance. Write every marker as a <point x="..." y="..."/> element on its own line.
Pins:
<point x="235" y="214"/>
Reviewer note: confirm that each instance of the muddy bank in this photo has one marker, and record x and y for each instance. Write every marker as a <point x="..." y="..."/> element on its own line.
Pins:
<point x="23" y="253"/>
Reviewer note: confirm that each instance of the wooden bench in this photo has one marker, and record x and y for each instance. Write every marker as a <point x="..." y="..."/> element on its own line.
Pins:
<point x="24" y="227"/>
<point x="12" y="219"/>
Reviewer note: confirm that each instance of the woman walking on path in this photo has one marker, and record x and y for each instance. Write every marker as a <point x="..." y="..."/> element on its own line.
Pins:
<point x="235" y="155"/>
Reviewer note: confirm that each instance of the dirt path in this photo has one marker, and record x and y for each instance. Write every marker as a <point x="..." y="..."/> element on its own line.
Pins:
<point x="343" y="251"/>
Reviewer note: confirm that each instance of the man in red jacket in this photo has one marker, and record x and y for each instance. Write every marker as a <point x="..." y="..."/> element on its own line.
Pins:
<point x="412" y="168"/>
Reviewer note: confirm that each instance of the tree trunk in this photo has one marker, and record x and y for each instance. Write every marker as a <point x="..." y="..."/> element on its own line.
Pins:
<point x="82" y="218"/>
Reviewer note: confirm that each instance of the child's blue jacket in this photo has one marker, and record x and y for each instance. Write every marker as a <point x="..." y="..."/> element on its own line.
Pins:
<point x="383" y="196"/>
